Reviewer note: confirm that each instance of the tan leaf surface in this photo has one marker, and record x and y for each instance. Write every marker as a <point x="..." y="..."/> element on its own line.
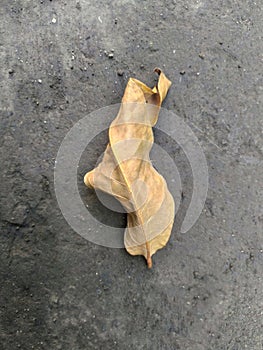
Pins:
<point x="126" y="171"/>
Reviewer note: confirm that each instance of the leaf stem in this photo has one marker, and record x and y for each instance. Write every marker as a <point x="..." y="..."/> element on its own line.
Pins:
<point x="149" y="259"/>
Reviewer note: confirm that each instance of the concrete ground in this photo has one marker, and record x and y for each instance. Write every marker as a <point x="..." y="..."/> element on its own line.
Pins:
<point x="60" y="291"/>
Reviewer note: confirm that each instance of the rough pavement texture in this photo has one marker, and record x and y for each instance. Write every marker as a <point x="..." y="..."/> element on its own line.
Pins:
<point x="59" y="291"/>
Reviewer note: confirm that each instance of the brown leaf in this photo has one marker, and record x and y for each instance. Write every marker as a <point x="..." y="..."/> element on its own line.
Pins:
<point x="126" y="171"/>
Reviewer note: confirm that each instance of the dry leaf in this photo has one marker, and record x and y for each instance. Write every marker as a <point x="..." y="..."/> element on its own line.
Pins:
<point x="126" y="171"/>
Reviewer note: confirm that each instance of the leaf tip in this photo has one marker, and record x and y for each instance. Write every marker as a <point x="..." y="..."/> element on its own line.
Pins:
<point x="157" y="70"/>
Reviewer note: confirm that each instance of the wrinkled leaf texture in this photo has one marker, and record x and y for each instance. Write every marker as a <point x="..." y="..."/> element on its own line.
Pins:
<point x="126" y="171"/>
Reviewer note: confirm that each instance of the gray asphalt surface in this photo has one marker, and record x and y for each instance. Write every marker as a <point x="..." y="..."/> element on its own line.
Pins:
<point x="60" y="291"/>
